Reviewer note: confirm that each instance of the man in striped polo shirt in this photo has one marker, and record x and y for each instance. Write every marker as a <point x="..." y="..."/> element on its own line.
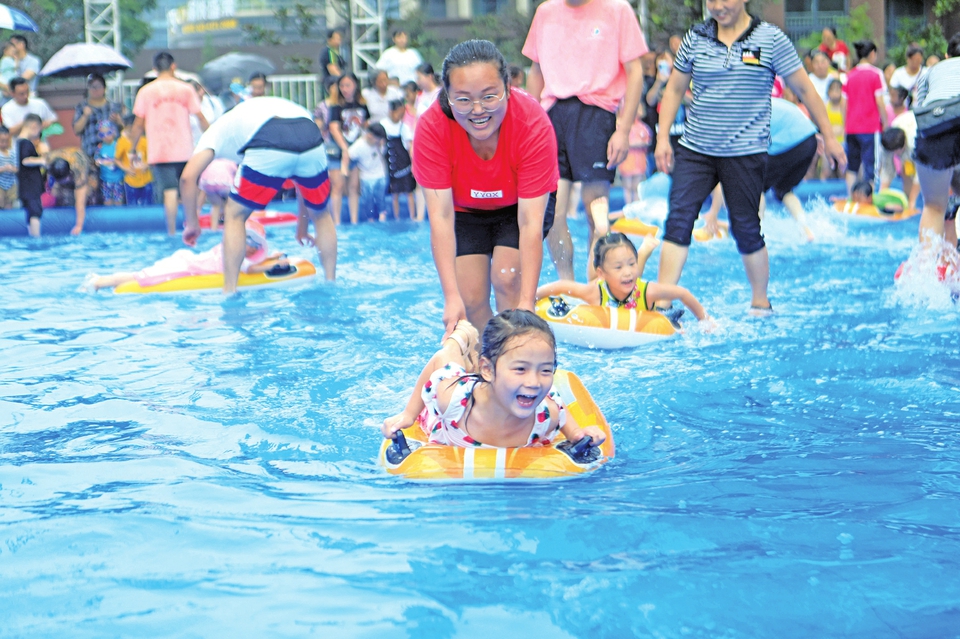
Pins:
<point x="732" y="60"/>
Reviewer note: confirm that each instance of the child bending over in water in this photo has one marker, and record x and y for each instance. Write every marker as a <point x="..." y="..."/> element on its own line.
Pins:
<point x="506" y="400"/>
<point x="618" y="284"/>
<point x="186" y="263"/>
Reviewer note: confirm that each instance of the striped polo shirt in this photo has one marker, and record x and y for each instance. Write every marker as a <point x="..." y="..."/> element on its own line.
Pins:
<point x="940" y="82"/>
<point x="730" y="113"/>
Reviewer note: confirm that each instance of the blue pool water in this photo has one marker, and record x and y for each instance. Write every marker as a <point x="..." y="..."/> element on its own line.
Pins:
<point x="189" y="466"/>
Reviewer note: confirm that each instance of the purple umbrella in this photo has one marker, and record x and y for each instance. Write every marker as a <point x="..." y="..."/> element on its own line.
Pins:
<point x="83" y="59"/>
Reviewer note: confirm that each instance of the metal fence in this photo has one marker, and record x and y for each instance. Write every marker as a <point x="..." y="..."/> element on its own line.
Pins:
<point x="305" y="90"/>
<point x="799" y="24"/>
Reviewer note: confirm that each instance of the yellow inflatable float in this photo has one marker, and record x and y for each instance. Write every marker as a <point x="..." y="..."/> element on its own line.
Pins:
<point x="874" y="212"/>
<point x="299" y="271"/>
<point x="602" y="327"/>
<point x="411" y="456"/>
<point x="723" y="230"/>
<point x="631" y="226"/>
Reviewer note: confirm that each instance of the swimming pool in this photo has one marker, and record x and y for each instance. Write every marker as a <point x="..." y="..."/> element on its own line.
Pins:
<point x="191" y="466"/>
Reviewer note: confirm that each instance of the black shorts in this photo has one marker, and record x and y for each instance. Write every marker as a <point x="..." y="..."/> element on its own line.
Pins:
<point x="582" y="135"/>
<point x="480" y="233"/>
<point x="166" y="176"/>
<point x="403" y="184"/>
<point x="695" y="175"/>
<point x="786" y="170"/>
<point x="862" y="150"/>
<point x="940" y="152"/>
<point x="32" y="207"/>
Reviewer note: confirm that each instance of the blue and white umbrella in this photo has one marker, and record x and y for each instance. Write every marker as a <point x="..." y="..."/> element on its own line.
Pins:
<point x="84" y="58"/>
<point x="16" y="20"/>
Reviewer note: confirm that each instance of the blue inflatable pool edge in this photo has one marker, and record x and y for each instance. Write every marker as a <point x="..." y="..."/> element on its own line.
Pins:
<point x="150" y="219"/>
<point x="102" y="219"/>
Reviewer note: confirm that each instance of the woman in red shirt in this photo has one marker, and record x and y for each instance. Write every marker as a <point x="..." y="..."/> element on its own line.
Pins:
<point x="866" y="114"/>
<point x="486" y="156"/>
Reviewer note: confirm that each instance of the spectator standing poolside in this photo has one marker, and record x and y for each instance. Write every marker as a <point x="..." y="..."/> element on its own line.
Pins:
<point x="163" y="109"/>
<point x="272" y="140"/>
<point x="30" y="152"/>
<point x="257" y="85"/>
<point x="835" y="49"/>
<point x="8" y="71"/>
<point x="586" y="59"/>
<point x="399" y="61"/>
<point x="906" y="77"/>
<point x="22" y="105"/>
<point x="28" y="65"/>
<point x="938" y="156"/>
<point x="429" y="87"/>
<point x="486" y="157"/>
<point x="89" y="113"/>
<point x="9" y="166"/>
<point x="333" y="57"/>
<point x="379" y="95"/>
<point x="821" y="73"/>
<point x="348" y="120"/>
<point x="137" y="179"/>
<point x="732" y="59"/>
<point x="866" y="115"/>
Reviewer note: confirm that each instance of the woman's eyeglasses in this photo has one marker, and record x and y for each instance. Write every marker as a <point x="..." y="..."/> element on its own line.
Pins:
<point x="488" y="103"/>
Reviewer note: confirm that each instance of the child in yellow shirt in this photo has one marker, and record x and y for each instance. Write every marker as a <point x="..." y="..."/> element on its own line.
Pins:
<point x="137" y="179"/>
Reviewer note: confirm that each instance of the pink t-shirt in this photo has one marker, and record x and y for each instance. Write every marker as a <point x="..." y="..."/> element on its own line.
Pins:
<point x="581" y="50"/>
<point x="166" y="106"/>
<point x="864" y="83"/>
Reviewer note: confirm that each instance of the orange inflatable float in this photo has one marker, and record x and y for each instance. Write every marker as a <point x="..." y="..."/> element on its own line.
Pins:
<point x="632" y="226"/>
<point x="603" y="327"/>
<point x="411" y="455"/>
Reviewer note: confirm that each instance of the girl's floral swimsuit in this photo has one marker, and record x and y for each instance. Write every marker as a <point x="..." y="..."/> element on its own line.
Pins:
<point x="445" y="427"/>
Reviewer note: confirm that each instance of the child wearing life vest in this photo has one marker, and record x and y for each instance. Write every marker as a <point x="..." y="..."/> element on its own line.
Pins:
<point x="506" y="399"/>
<point x="618" y="284"/>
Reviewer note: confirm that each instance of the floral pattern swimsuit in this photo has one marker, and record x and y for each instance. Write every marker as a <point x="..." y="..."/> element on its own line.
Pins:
<point x="444" y="427"/>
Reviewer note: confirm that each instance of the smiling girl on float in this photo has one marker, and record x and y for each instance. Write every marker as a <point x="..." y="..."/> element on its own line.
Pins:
<point x="486" y="156"/>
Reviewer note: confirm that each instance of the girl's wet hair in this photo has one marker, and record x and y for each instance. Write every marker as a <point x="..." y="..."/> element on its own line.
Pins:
<point x="609" y="242"/>
<point x="465" y="54"/>
<point x="863" y="188"/>
<point x="510" y="324"/>
<point x="864" y="48"/>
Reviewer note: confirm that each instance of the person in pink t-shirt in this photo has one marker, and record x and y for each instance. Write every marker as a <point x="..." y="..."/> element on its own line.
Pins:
<point x="866" y="114"/>
<point x="586" y="59"/>
<point x="163" y="109"/>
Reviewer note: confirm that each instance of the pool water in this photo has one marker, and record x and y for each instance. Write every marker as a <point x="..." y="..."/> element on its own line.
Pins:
<point x="192" y="466"/>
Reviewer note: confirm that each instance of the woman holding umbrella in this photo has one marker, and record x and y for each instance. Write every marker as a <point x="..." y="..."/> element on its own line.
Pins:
<point x="88" y="115"/>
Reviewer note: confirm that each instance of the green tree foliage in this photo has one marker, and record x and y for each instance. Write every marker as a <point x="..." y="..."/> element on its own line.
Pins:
<point x="302" y="18"/>
<point x="672" y="17"/>
<point x="61" y="22"/>
<point x="852" y="28"/>
<point x="917" y="30"/>
<point x="507" y="30"/>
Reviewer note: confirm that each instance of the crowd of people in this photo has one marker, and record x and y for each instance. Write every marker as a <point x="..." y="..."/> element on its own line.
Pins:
<point x="615" y="108"/>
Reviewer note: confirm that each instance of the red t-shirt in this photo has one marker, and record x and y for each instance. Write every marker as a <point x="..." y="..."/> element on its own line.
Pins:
<point x="864" y="83"/>
<point x="524" y="165"/>
<point x="838" y="47"/>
